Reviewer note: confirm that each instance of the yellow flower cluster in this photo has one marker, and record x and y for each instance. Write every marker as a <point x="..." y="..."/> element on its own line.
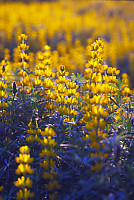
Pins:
<point x="66" y="95"/>
<point x="23" y="65"/>
<point x="56" y="92"/>
<point x="98" y="86"/>
<point x="125" y="93"/>
<point x="42" y="77"/>
<point x="34" y="131"/>
<point x="24" y="182"/>
<point x="48" y="154"/>
<point x="3" y="95"/>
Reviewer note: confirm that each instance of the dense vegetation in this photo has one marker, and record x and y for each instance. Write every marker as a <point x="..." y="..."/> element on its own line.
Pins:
<point x="64" y="135"/>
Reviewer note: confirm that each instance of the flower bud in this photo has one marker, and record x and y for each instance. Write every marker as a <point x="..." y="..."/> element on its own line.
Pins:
<point x="14" y="88"/>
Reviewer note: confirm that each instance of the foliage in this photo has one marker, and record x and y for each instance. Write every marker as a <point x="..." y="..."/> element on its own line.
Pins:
<point x="65" y="137"/>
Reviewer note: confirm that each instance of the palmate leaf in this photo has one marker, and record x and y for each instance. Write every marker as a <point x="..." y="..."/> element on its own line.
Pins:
<point x="85" y="161"/>
<point x="119" y="84"/>
<point x="79" y="78"/>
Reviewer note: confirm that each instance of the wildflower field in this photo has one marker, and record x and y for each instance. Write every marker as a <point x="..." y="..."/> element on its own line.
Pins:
<point x="67" y="100"/>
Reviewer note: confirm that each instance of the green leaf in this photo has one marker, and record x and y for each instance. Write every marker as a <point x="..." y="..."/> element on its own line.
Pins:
<point x="107" y="127"/>
<point x="122" y="83"/>
<point x="38" y="93"/>
<point x="32" y="90"/>
<point x="118" y="99"/>
<point x="9" y="93"/>
<point x="129" y="125"/>
<point x="118" y="83"/>
<point x="74" y="76"/>
<point x="115" y="102"/>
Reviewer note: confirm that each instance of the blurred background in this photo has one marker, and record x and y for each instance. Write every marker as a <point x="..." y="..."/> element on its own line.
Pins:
<point x="69" y="26"/>
<point x="26" y="1"/>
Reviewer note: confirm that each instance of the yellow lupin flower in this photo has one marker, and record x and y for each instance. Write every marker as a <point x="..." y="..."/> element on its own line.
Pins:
<point x="30" y="139"/>
<point x="20" y="195"/>
<point x="97" y="167"/>
<point x="24" y="158"/>
<point x="102" y="123"/>
<point x="28" y="194"/>
<point x="86" y="137"/>
<point x="1" y="188"/>
<point x="3" y="94"/>
<point x="24" y="149"/>
<point x="23" y="46"/>
<point x="45" y="164"/>
<point x="53" y="196"/>
<point x="48" y="176"/>
<point x="20" y="183"/>
<point x="29" y="182"/>
<point x="24" y="169"/>
<point x="22" y="37"/>
<point x="52" y="163"/>
<point x="48" y="153"/>
<point x="52" y="185"/>
<point x="95" y="145"/>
